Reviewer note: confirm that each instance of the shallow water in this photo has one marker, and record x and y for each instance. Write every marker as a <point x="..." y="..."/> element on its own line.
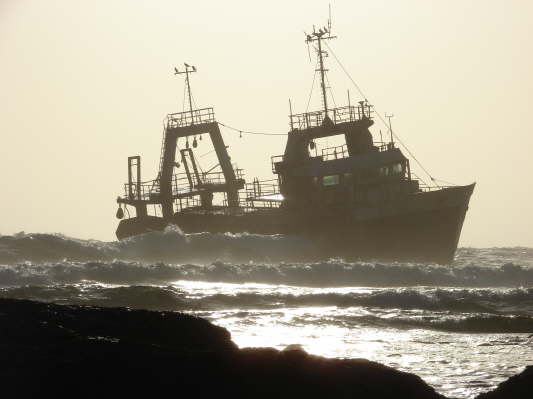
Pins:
<point x="463" y="328"/>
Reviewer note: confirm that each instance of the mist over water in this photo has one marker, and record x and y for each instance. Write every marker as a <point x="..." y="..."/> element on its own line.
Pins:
<point x="462" y="327"/>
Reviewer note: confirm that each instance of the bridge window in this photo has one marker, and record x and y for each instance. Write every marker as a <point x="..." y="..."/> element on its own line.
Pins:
<point x="397" y="169"/>
<point x="330" y="180"/>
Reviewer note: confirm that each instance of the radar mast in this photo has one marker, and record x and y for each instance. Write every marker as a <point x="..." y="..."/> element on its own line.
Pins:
<point x="188" y="69"/>
<point x="317" y="36"/>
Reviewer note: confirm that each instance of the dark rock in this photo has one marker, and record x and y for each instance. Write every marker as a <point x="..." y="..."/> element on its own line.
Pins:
<point x="519" y="386"/>
<point x="31" y="323"/>
<point x="93" y="352"/>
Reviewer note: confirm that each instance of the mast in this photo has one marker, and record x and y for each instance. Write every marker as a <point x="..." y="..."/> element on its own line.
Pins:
<point x="317" y="36"/>
<point x="322" y="72"/>
<point x="188" y="69"/>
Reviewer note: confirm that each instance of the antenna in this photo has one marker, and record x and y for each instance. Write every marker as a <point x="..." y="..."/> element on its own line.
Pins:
<point x="307" y="38"/>
<point x="318" y="36"/>
<point x="188" y="69"/>
<point x="290" y="110"/>
<point x="329" y="18"/>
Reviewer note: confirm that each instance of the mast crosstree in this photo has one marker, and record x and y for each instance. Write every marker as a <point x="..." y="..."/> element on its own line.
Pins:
<point x="188" y="69"/>
<point x="317" y="36"/>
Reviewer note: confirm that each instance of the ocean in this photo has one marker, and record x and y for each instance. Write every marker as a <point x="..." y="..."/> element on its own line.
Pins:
<point x="463" y="327"/>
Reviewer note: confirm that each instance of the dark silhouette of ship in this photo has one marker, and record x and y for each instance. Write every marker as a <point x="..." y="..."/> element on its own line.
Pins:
<point x="359" y="199"/>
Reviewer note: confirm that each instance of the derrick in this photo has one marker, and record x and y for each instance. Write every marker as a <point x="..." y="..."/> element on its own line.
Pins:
<point x="172" y="191"/>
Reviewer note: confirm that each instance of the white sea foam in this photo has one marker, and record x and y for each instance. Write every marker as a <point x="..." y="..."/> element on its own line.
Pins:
<point x="273" y="259"/>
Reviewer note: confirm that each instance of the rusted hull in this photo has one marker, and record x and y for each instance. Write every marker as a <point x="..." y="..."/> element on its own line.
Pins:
<point x="425" y="227"/>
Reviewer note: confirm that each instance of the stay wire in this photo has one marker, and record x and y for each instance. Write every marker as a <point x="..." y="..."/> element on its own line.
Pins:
<point x="331" y="90"/>
<point x="194" y="102"/>
<point x="446" y="182"/>
<point x="312" y="88"/>
<point x="207" y="153"/>
<point x="379" y="115"/>
<point x="183" y="102"/>
<point x="240" y="131"/>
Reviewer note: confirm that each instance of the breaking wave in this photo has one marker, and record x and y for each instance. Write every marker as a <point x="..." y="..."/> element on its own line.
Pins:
<point x="333" y="273"/>
<point x="173" y="246"/>
<point x="170" y="246"/>
<point x="162" y="257"/>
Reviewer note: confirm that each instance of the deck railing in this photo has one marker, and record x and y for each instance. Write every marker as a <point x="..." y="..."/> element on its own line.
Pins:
<point x="350" y="113"/>
<point x="337" y="152"/>
<point x="189" y="118"/>
<point x="150" y="190"/>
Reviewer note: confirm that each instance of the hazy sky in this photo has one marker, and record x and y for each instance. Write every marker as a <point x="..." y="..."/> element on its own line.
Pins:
<point x="84" y="84"/>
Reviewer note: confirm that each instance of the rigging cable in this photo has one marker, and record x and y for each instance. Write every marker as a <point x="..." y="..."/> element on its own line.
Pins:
<point x="379" y="115"/>
<point x="446" y="182"/>
<point x="207" y="153"/>
<point x="183" y="102"/>
<point x="249" y="132"/>
<point x="330" y="90"/>
<point x="194" y="101"/>
<point x="312" y="88"/>
<point x="240" y="131"/>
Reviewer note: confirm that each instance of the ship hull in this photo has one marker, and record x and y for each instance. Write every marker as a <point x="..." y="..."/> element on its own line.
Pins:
<point x="424" y="227"/>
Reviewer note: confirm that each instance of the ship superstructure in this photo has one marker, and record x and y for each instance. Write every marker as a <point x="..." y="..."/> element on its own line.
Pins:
<point x="357" y="199"/>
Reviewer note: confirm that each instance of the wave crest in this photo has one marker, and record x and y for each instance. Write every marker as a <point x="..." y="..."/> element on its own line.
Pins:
<point x="320" y="274"/>
<point x="171" y="246"/>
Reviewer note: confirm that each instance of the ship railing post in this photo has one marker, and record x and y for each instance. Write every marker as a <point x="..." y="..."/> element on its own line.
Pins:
<point x="139" y="194"/>
<point x="130" y="188"/>
<point x="290" y="111"/>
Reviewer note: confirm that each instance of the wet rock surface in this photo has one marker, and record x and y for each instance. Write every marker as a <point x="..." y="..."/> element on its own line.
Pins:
<point x="78" y="351"/>
<point x="518" y="386"/>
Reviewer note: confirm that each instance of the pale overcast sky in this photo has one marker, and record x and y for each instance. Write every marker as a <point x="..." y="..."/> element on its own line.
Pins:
<point x="84" y="84"/>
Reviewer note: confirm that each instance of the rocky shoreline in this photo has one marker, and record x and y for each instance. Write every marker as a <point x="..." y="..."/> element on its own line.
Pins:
<point x="82" y="351"/>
